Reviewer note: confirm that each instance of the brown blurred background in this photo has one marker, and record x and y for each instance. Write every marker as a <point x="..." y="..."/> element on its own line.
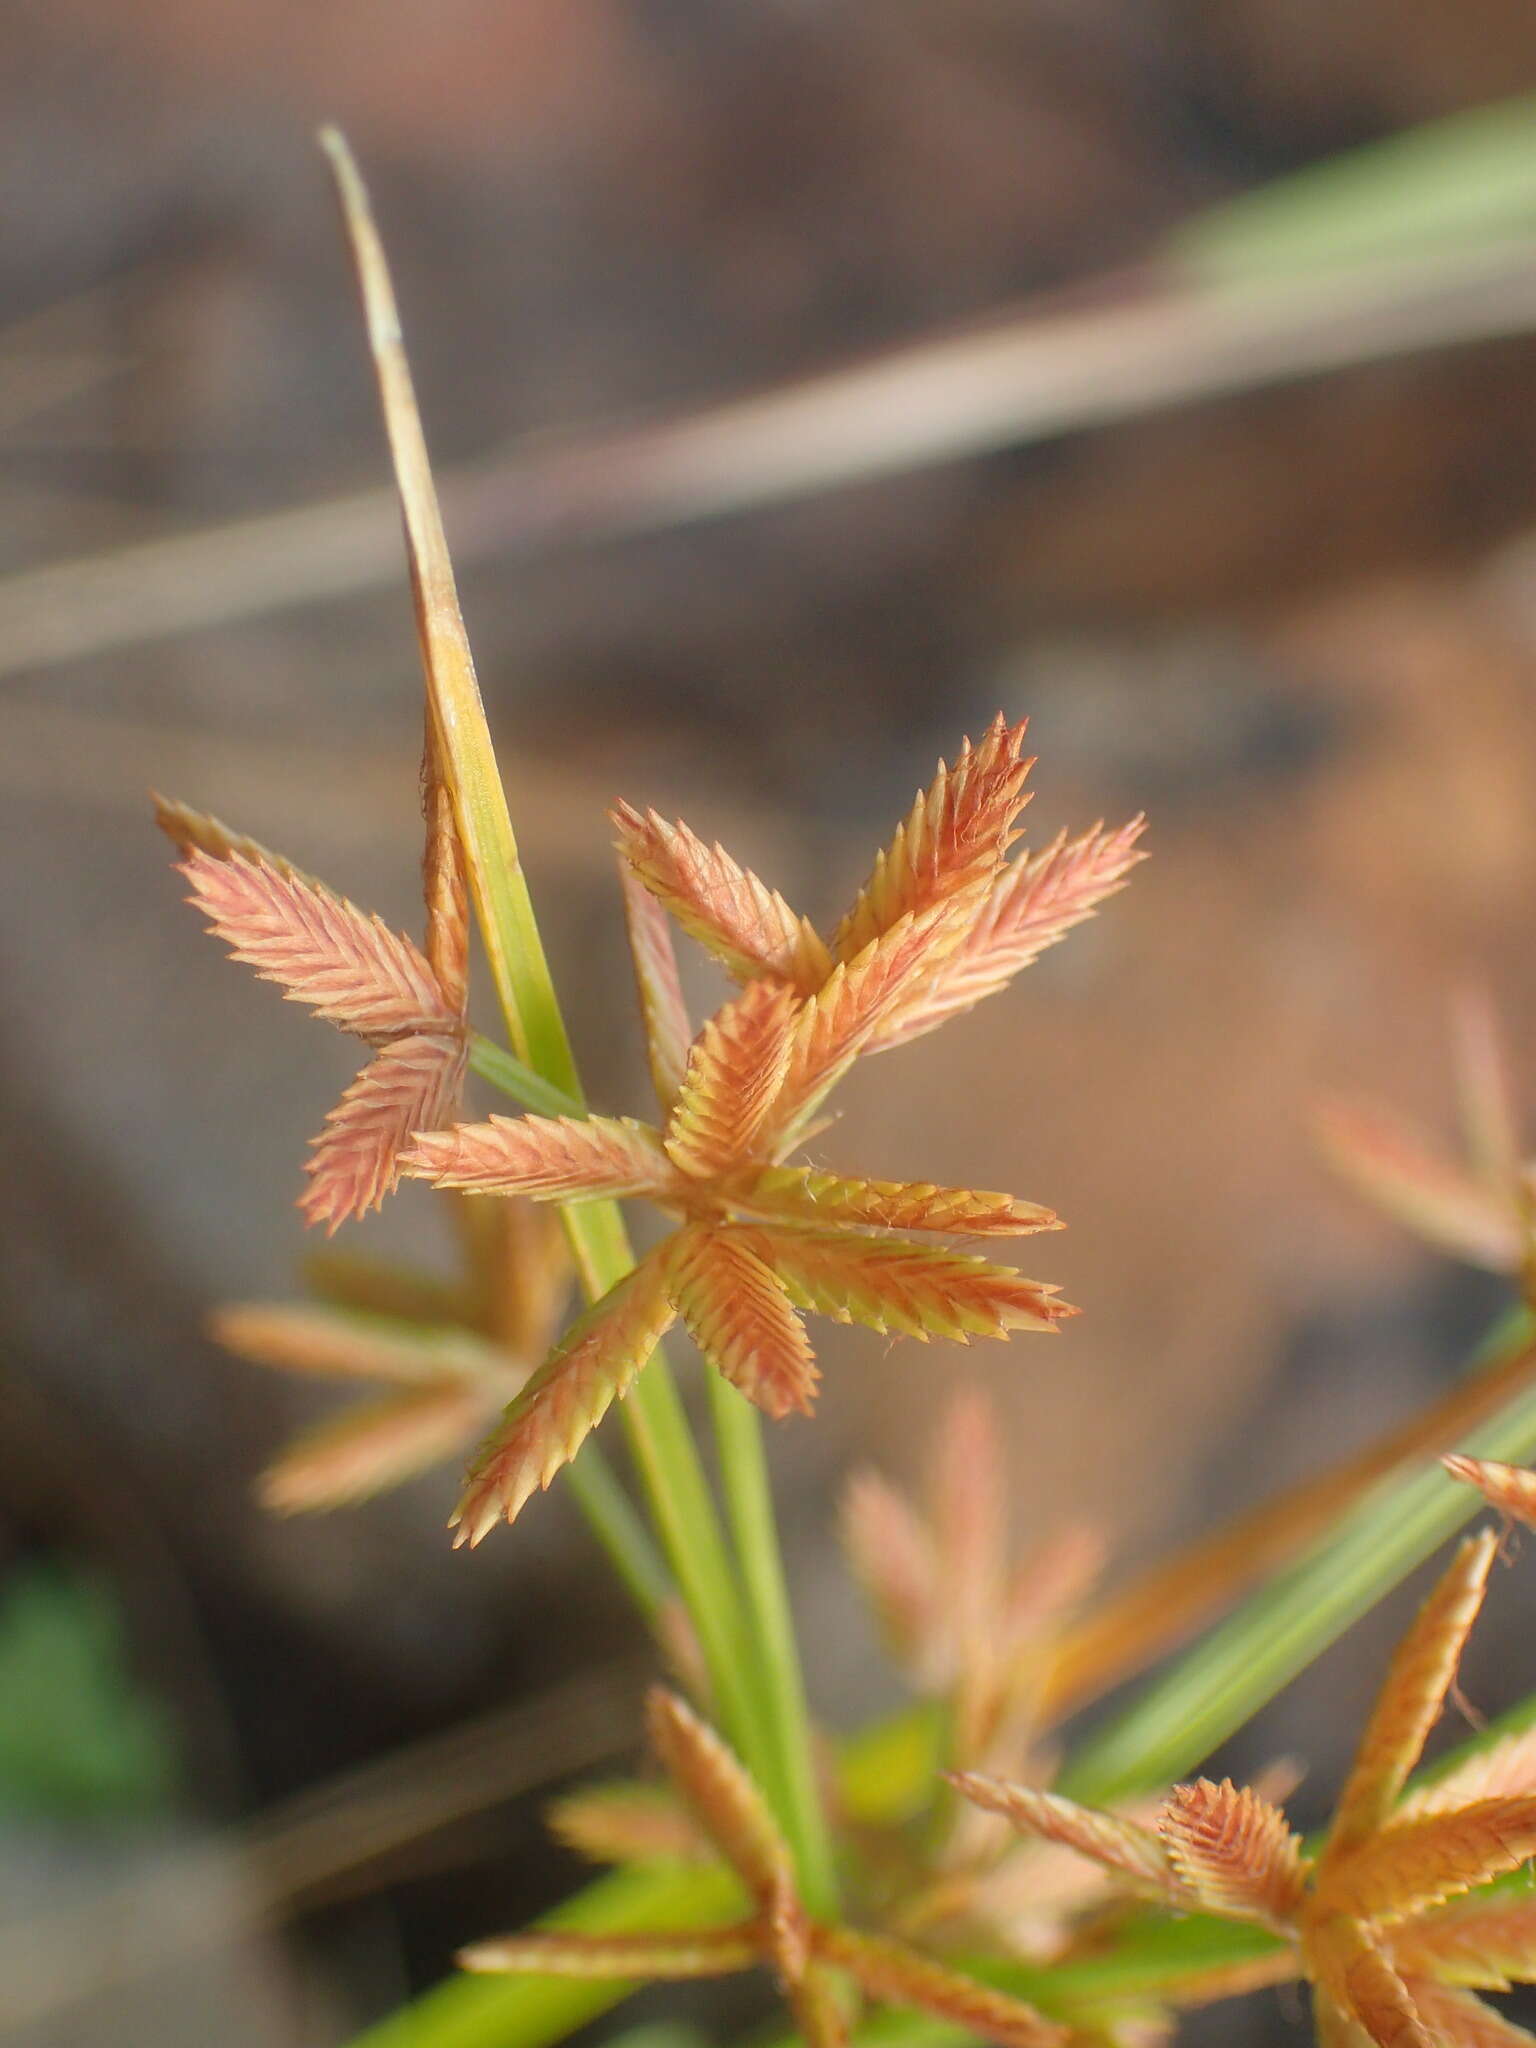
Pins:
<point x="1295" y="624"/>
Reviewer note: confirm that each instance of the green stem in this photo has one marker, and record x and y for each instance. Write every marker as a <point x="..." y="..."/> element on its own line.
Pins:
<point x="493" y="1063"/>
<point x="749" y="1506"/>
<point x="663" y="1448"/>
<point x="624" y="1538"/>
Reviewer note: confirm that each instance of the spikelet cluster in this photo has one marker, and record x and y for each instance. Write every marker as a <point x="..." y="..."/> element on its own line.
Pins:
<point x="1395" y="1922"/>
<point x="943" y="920"/>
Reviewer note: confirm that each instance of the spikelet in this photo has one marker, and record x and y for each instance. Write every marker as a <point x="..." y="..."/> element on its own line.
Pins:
<point x="739" y="1315"/>
<point x="332" y="1344"/>
<point x="550" y="1158"/>
<point x="1034" y="903"/>
<point x="1233" y="1851"/>
<point x="735" y="1069"/>
<point x="895" y="1974"/>
<point x="950" y="846"/>
<point x="1509" y="1489"/>
<point x="802" y="1194"/>
<point x="371" y="1446"/>
<point x="894" y="1560"/>
<point x="1457" y="2019"/>
<point x="1385" y="1159"/>
<point x="1354" y="1974"/>
<point x="901" y="1288"/>
<point x="1411" y="1699"/>
<point x="1486" y="1941"/>
<point x="594" y="1365"/>
<point x="1421" y="1862"/>
<point x="663" y="1011"/>
<point x="357" y="1159"/>
<point x="748" y="927"/>
<point x="1123" y="1846"/>
<point x="444" y="886"/>
<point x="322" y="950"/>
<point x="1493" y="1772"/>
<point x="722" y="1797"/>
<point x="711" y="1952"/>
<point x="626" y="1821"/>
<point x="836" y="1023"/>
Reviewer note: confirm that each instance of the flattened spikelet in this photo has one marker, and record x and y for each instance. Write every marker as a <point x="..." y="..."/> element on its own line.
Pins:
<point x="1420" y="1862"/>
<point x="1034" y="903"/>
<point x="371" y="1446"/>
<point x="1412" y="1698"/>
<point x="322" y="950"/>
<point x="1495" y="1772"/>
<point x="1486" y="1941"/>
<point x="594" y="1364"/>
<point x="722" y="1796"/>
<point x="200" y="832"/>
<point x="628" y="1822"/>
<point x="951" y="844"/>
<point x="712" y="1952"/>
<point x="662" y="1008"/>
<point x="1389" y="1163"/>
<point x="1359" y="1980"/>
<point x="345" y="1345"/>
<point x="892" y="1557"/>
<point x="894" y="1974"/>
<point x="444" y="885"/>
<point x="904" y="1289"/>
<point x="803" y="1194"/>
<point x="550" y="1158"/>
<point x="1123" y="1846"/>
<point x="411" y="1085"/>
<point x="1234" y="1852"/>
<point x="1508" y="1489"/>
<point x="1457" y="2019"/>
<point x="735" y="1069"/>
<point x="748" y="927"/>
<point x="742" y="1320"/>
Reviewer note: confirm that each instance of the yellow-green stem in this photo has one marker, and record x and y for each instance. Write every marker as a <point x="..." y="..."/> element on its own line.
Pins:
<point x="666" y="1458"/>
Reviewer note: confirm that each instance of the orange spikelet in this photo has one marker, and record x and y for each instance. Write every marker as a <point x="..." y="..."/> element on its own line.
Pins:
<point x="628" y="1822"/>
<point x="594" y="1364"/>
<point x="348" y="966"/>
<point x="1457" y="2019"/>
<point x="838" y="1021"/>
<point x="550" y="1158"/>
<point x="344" y="1345"/>
<point x="1509" y="1489"/>
<point x="1034" y="903"/>
<point x="443" y="883"/>
<point x="1388" y="1162"/>
<point x="735" y="1069"/>
<point x="1486" y="1941"/>
<point x="894" y="1974"/>
<point x="357" y="1159"/>
<point x="802" y="1194"/>
<point x="951" y="844"/>
<point x="1123" y="1846"/>
<point x="662" y="1008"/>
<point x="892" y="1556"/>
<point x="1411" y="1699"/>
<point x="1357" y="1978"/>
<point x="901" y="1288"/>
<point x="722" y="1797"/>
<point x="712" y="1952"/>
<point x="370" y="1446"/>
<point x="1420" y="1862"/>
<point x="748" y="927"/>
<point x="739" y="1315"/>
<point x="1503" y="1768"/>
<point x="1234" y="1852"/>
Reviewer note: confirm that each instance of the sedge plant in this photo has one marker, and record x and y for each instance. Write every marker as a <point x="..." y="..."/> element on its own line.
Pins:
<point x="972" y="1868"/>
